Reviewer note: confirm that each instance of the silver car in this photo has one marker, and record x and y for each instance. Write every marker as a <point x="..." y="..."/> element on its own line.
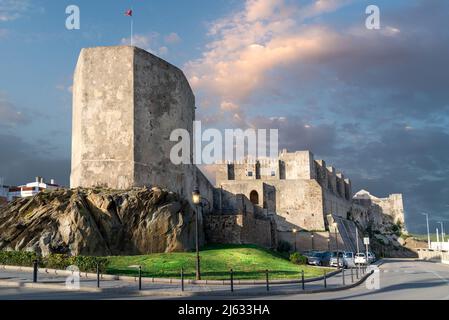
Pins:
<point x="348" y="259"/>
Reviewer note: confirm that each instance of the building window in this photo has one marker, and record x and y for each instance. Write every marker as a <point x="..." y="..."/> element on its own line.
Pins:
<point x="250" y="173"/>
<point x="273" y="173"/>
<point x="254" y="197"/>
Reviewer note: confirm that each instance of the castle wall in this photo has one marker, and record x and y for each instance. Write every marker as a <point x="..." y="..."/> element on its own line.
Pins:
<point x="103" y="119"/>
<point x="126" y="103"/>
<point x="334" y="204"/>
<point x="322" y="241"/>
<point x="299" y="204"/>
<point x="239" y="229"/>
<point x="163" y="102"/>
<point x="298" y="165"/>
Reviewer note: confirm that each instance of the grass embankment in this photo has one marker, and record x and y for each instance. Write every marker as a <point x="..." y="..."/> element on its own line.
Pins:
<point x="247" y="261"/>
<point x="423" y="237"/>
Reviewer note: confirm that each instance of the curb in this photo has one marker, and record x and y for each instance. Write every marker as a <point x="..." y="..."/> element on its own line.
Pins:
<point x="236" y="293"/>
<point x="87" y="275"/>
<point x="31" y="285"/>
<point x="17" y="284"/>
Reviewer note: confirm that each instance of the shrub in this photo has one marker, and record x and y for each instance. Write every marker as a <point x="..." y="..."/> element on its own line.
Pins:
<point x="53" y="261"/>
<point x="17" y="258"/>
<point x="296" y="258"/>
<point x="284" y="246"/>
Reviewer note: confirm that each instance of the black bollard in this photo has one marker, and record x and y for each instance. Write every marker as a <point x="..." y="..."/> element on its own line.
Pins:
<point x="302" y="279"/>
<point x="268" y="284"/>
<point x="352" y="275"/>
<point x="140" y="278"/>
<point x="98" y="276"/>
<point x="343" y="275"/>
<point x="182" y="279"/>
<point x="357" y="272"/>
<point x="35" y="271"/>
<point x="232" y="280"/>
<point x="325" y="279"/>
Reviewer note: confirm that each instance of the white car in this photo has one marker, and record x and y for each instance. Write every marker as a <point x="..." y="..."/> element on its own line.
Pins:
<point x="348" y="259"/>
<point x="360" y="258"/>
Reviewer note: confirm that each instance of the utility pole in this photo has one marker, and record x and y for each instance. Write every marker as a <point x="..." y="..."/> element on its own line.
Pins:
<point x="442" y="231"/>
<point x="428" y="230"/>
<point x="438" y="240"/>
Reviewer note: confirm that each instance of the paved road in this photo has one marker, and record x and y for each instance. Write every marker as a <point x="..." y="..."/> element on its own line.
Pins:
<point x="398" y="279"/>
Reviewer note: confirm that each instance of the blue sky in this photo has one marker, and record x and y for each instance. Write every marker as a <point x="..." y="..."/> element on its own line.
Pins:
<point x="373" y="103"/>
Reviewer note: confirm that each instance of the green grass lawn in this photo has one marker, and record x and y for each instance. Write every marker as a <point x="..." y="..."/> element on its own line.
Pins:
<point x="423" y="237"/>
<point x="247" y="261"/>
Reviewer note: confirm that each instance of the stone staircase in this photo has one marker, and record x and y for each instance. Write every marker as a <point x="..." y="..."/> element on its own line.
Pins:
<point x="347" y="231"/>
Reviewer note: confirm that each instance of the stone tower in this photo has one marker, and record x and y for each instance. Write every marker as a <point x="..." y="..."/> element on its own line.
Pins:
<point x="126" y="102"/>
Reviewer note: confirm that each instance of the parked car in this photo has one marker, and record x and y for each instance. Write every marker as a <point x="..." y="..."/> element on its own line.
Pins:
<point x="348" y="259"/>
<point x="314" y="258"/>
<point x="319" y="258"/>
<point x="371" y="257"/>
<point x="337" y="259"/>
<point x="360" y="258"/>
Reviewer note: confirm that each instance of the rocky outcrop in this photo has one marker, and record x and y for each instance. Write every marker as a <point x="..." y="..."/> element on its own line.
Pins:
<point x="99" y="222"/>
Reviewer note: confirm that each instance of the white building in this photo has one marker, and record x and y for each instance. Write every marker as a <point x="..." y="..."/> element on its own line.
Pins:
<point x="30" y="189"/>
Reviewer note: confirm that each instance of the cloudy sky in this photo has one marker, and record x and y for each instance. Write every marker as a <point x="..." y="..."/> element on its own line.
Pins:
<point x="373" y="103"/>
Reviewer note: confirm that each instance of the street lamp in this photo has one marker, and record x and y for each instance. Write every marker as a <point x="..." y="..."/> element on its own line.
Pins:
<point x="295" y="231"/>
<point x="428" y="230"/>
<point x="311" y="236"/>
<point x="329" y="244"/>
<point x="196" y="199"/>
<point x="335" y="224"/>
<point x="442" y="231"/>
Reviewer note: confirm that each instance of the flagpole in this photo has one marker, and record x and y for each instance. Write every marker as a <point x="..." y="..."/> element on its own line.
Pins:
<point x="132" y="30"/>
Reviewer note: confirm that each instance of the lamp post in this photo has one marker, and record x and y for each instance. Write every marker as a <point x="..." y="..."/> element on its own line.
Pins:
<point x="335" y="224"/>
<point x="428" y="230"/>
<point x="196" y="199"/>
<point x="313" y="246"/>
<point x="329" y="244"/>
<point x="295" y="231"/>
<point x="442" y="231"/>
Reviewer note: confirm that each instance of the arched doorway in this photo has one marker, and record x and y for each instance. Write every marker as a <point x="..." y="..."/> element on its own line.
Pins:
<point x="254" y="197"/>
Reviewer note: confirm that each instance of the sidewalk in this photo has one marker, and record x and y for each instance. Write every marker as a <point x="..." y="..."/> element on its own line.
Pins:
<point x="51" y="281"/>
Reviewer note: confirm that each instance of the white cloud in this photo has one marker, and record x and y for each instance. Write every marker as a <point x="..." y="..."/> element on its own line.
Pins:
<point x="144" y="41"/>
<point x="247" y="45"/>
<point x="13" y="9"/>
<point x="172" y="38"/>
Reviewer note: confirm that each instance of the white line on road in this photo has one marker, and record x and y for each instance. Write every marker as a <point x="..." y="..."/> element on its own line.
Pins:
<point x="444" y="279"/>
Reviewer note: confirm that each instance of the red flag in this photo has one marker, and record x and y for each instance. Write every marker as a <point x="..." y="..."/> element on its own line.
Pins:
<point x="129" y="13"/>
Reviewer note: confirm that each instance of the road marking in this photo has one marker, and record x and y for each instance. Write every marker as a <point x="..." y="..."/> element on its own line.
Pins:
<point x="444" y="279"/>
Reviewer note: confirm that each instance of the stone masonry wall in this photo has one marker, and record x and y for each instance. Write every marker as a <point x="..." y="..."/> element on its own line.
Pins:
<point x="239" y="229"/>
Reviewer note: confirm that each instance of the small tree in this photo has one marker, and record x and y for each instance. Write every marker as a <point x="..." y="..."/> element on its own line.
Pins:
<point x="296" y="258"/>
